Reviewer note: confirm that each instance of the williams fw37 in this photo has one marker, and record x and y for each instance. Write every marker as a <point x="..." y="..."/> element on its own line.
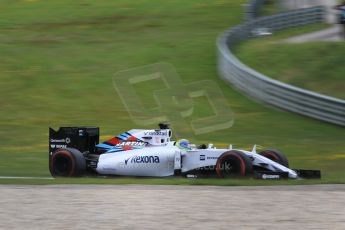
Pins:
<point x="76" y="151"/>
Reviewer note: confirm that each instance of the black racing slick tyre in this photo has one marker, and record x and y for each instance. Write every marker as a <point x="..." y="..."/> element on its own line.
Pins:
<point x="67" y="162"/>
<point x="233" y="164"/>
<point x="275" y="156"/>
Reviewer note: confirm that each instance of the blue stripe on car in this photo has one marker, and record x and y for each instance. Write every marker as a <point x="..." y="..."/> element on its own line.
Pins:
<point x="104" y="146"/>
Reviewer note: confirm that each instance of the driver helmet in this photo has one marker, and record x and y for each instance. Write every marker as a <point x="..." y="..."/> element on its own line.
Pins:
<point x="183" y="143"/>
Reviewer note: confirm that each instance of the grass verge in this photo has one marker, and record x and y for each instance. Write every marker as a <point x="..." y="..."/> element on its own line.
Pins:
<point x="316" y="66"/>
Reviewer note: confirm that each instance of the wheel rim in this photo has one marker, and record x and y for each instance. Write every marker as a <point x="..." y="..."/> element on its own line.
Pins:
<point x="62" y="165"/>
<point x="231" y="167"/>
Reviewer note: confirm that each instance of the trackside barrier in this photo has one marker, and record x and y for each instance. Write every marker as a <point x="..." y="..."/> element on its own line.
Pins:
<point x="251" y="10"/>
<point x="273" y="92"/>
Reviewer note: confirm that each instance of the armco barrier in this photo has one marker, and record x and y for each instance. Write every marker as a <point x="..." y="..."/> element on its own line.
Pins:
<point x="265" y="89"/>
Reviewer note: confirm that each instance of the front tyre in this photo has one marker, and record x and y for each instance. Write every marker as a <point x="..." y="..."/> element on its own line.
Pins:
<point x="275" y="156"/>
<point x="67" y="162"/>
<point x="233" y="164"/>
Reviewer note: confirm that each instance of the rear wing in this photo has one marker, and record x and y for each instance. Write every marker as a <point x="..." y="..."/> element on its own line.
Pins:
<point x="81" y="138"/>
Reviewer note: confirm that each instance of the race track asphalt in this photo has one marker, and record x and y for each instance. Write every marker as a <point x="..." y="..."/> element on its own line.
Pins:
<point x="171" y="207"/>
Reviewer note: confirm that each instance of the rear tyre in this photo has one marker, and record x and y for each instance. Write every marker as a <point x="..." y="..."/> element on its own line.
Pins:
<point x="67" y="162"/>
<point x="275" y="156"/>
<point x="233" y="164"/>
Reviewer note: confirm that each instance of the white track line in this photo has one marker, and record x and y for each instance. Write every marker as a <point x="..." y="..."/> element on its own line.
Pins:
<point x="26" y="177"/>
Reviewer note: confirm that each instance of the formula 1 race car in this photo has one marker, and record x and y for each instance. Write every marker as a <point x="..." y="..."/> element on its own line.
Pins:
<point x="76" y="151"/>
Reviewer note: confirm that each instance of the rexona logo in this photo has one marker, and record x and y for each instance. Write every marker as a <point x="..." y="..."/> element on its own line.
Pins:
<point x="142" y="159"/>
<point x="131" y="143"/>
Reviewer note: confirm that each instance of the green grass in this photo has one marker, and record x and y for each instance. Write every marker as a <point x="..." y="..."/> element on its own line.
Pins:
<point x="316" y="66"/>
<point x="57" y="62"/>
